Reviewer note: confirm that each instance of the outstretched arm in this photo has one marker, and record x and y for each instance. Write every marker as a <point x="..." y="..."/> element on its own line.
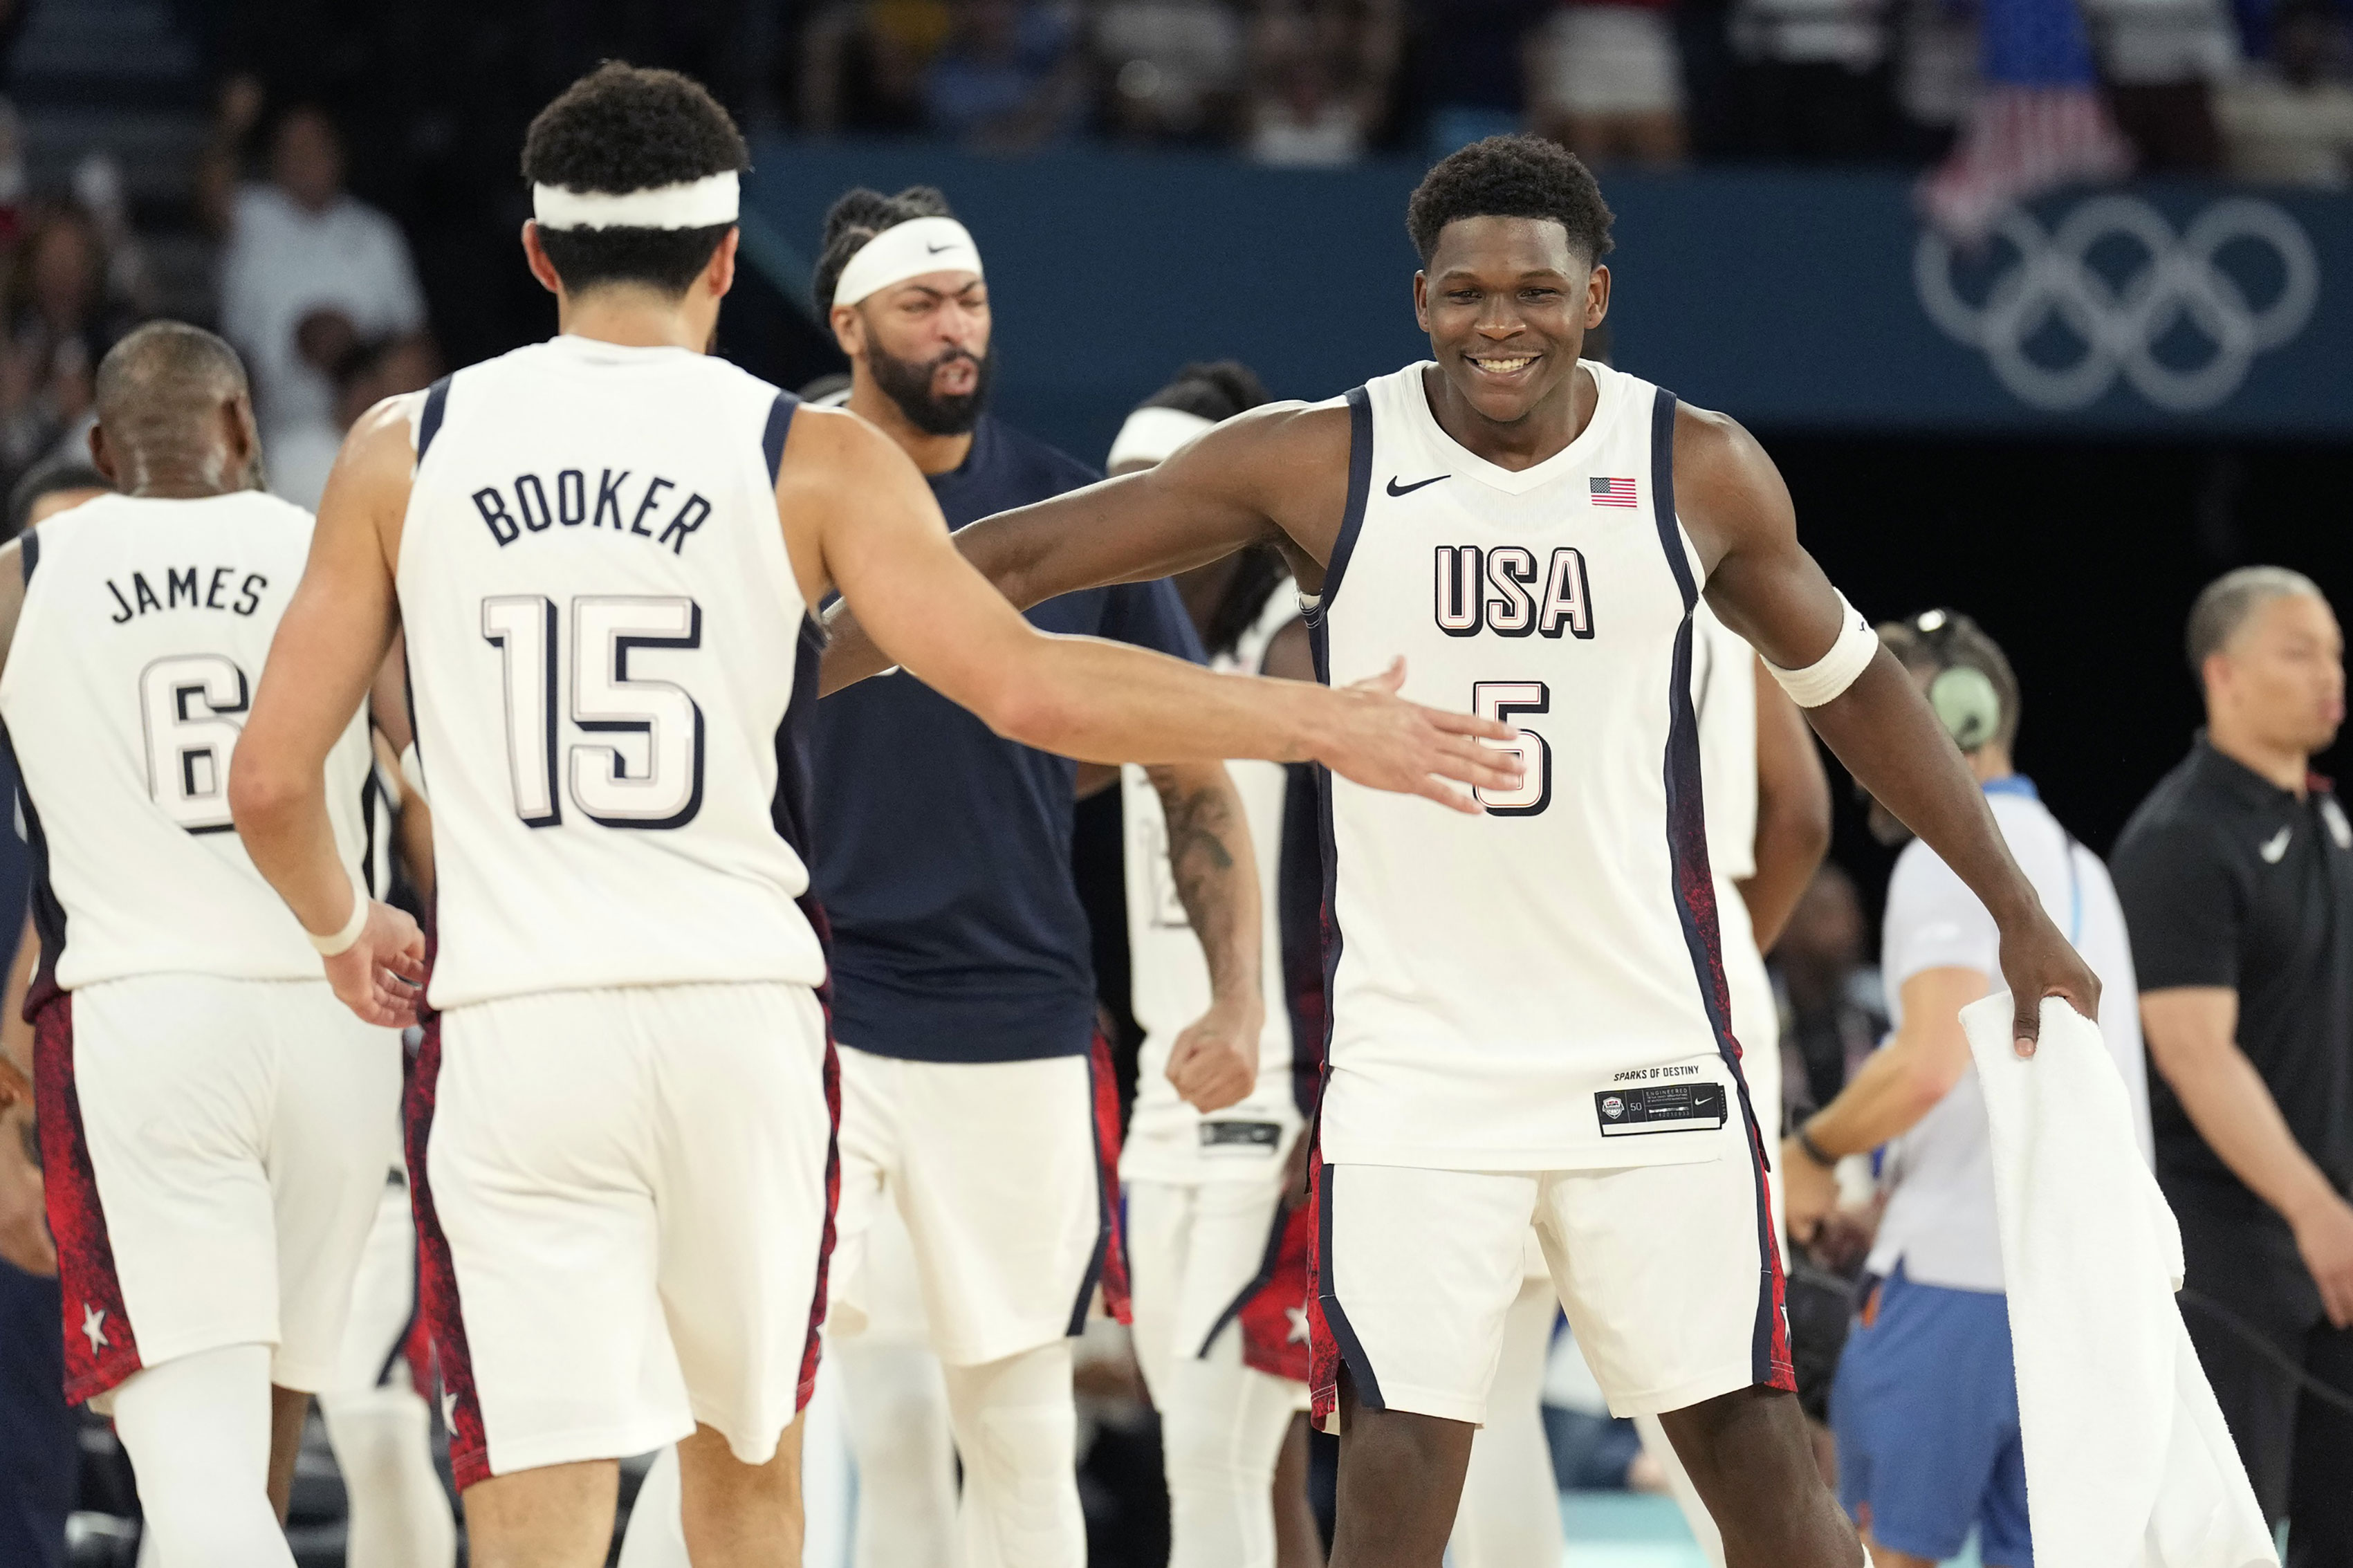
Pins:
<point x="1220" y="494"/>
<point x="856" y="504"/>
<point x="1768" y="589"/>
<point x="328" y="650"/>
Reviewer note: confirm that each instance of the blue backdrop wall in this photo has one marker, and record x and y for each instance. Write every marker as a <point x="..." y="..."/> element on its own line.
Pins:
<point x="1795" y="300"/>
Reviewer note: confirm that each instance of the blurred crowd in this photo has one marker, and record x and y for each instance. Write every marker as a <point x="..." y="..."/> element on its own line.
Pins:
<point x="315" y="287"/>
<point x="2256" y="88"/>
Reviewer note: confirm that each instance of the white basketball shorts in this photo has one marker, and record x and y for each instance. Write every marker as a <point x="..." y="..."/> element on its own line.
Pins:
<point x="1002" y="1176"/>
<point x="625" y="1198"/>
<point x="1218" y="1269"/>
<point x="1669" y="1274"/>
<point x="213" y="1151"/>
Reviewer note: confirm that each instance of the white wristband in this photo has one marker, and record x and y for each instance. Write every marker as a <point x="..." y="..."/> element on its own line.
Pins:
<point x="1828" y="676"/>
<point x="341" y="942"/>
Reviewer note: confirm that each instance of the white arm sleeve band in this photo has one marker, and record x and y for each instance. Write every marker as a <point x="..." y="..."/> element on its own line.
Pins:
<point x="1836" y="670"/>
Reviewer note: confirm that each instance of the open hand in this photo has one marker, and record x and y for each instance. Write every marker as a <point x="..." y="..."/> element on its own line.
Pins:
<point x="381" y="977"/>
<point x="2036" y="962"/>
<point x="1383" y="741"/>
<point x="1214" y="1063"/>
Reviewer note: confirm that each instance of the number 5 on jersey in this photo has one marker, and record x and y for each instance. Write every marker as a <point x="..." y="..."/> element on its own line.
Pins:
<point x="1503" y="701"/>
<point x="648" y="773"/>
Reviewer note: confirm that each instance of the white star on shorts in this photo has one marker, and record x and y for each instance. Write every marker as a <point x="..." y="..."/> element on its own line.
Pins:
<point x="93" y="1320"/>
<point x="1298" y="1316"/>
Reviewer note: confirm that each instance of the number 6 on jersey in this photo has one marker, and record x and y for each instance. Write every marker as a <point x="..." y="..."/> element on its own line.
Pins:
<point x="649" y="773"/>
<point x="1503" y="701"/>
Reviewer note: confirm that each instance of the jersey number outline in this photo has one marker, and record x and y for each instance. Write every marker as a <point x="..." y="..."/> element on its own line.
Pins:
<point x="190" y="710"/>
<point x="654" y="781"/>
<point x="1502" y="701"/>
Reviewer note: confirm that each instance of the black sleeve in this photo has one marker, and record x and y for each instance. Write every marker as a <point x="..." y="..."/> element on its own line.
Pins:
<point x="2182" y="904"/>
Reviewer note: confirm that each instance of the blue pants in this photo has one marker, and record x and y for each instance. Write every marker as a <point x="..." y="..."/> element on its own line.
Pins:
<point x="1925" y="1412"/>
<point x="39" y="1465"/>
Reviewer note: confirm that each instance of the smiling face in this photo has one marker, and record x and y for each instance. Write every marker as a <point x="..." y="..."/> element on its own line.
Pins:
<point x="1507" y="302"/>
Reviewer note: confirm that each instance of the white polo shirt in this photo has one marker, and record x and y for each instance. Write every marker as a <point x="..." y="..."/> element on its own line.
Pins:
<point x="1938" y="1177"/>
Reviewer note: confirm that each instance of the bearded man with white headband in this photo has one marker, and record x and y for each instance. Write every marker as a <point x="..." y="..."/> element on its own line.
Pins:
<point x="976" y="1094"/>
<point x="603" y="551"/>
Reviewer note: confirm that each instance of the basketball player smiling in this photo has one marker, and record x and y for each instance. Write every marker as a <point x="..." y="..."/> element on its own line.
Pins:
<point x="1528" y="1019"/>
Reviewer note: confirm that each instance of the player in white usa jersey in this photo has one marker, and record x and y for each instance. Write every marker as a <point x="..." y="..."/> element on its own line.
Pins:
<point x="1507" y="990"/>
<point x="603" y="551"/>
<point x="215" y="1128"/>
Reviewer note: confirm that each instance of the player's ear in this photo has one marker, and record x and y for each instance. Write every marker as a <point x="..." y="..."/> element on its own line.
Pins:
<point x="1421" y="300"/>
<point x="848" y="329"/>
<point x="1597" y="296"/>
<point x="102" y="455"/>
<point x="535" y="255"/>
<point x="240" y="436"/>
<point x="720" y="275"/>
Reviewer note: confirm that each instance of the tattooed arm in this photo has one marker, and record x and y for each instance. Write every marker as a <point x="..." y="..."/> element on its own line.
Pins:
<point x="1214" y="1062"/>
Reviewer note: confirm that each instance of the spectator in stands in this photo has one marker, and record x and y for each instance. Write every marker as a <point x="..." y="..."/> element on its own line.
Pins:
<point x="2237" y="873"/>
<point x="1833" y="1010"/>
<point x="1469" y="54"/>
<point x="365" y="375"/>
<point x="1605" y="79"/>
<point x="1321" y="81"/>
<point x="308" y="271"/>
<point x="60" y="325"/>
<point x="12" y="173"/>
<point x="1173" y="70"/>
<point x="2160" y="61"/>
<point x="2292" y="124"/>
<point x="1935" y="73"/>
<point x="863" y="64"/>
<point x="1010" y="78"/>
<point x="1816" y="82"/>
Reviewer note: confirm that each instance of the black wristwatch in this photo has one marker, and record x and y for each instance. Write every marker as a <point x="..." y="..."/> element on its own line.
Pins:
<point x="1813" y="1150"/>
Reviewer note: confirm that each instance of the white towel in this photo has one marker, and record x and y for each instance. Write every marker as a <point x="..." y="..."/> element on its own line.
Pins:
<point x="2127" y="1462"/>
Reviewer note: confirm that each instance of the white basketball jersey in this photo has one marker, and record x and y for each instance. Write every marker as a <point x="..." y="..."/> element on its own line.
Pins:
<point x="1540" y="987"/>
<point x="612" y="667"/>
<point x="145" y="625"/>
<point x="1167" y="1140"/>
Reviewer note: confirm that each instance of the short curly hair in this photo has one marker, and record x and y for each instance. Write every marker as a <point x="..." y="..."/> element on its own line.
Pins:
<point x="855" y="219"/>
<point x="1511" y="176"/>
<point x="625" y="127"/>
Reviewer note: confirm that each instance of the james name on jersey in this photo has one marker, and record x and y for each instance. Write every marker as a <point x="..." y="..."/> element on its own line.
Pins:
<point x="523" y="507"/>
<point x="188" y="588"/>
<point x="1500" y="590"/>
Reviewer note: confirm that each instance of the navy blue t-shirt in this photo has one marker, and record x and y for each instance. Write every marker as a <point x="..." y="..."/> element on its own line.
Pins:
<point x="944" y="852"/>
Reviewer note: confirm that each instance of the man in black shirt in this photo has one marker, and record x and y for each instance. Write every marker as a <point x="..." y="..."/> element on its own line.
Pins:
<point x="2236" y="874"/>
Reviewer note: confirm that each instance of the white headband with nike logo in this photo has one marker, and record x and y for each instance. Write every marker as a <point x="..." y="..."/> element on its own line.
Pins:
<point x="907" y="250"/>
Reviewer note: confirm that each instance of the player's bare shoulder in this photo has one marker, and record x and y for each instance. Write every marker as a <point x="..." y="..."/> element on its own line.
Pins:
<point x="1287" y="461"/>
<point x="1727" y="491"/>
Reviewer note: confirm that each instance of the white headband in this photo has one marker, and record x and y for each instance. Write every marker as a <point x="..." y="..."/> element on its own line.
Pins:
<point x="907" y="250"/>
<point x="1150" y="434"/>
<point x="693" y="204"/>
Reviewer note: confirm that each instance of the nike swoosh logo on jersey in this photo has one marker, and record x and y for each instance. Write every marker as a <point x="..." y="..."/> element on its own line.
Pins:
<point x="1398" y="489"/>
<point x="2276" y="849"/>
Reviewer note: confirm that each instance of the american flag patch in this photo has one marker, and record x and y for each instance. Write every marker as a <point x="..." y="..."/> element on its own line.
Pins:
<point x="1612" y="492"/>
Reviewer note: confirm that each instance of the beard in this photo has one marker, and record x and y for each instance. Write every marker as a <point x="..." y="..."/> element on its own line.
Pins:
<point x="908" y="384"/>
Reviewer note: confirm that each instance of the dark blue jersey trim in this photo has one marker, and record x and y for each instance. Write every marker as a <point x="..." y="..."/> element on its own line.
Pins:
<point x="780" y="425"/>
<point x="28" y="550"/>
<point x="1335" y="1316"/>
<point x="1695" y="882"/>
<point x="428" y="424"/>
<point x="1267" y="1263"/>
<point x="1352" y="521"/>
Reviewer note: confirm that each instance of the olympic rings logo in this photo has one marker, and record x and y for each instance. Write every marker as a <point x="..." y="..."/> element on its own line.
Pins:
<point x="2180" y="281"/>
